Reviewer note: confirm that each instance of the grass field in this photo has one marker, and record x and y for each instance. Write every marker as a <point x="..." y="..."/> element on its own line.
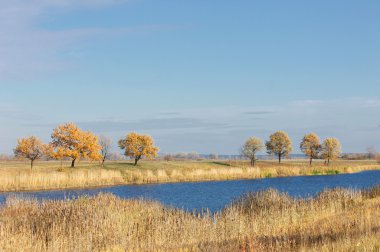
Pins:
<point x="335" y="220"/>
<point x="17" y="175"/>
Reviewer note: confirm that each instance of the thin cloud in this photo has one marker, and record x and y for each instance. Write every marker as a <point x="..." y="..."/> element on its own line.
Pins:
<point x="259" y="112"/>
<point x="9" y="111"/>
<point x="145" y="124"/>
<point x="169" y="113"/>
<point x="353" y="120"/>
<point x="26" y="48"/>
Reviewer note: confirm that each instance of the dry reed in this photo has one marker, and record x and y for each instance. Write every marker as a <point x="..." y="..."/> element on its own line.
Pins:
<point x="16" y="176"/>
<point x="334" y="220"/>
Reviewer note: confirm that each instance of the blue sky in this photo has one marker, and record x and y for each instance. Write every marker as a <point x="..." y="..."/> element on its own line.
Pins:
<point x="196" y="75"/>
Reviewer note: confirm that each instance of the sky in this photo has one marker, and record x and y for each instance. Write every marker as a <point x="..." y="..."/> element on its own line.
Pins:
<point x="196" y="75"/>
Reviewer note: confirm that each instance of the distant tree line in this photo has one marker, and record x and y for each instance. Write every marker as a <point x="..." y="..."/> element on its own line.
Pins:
<point x="69" y="142"/>
<point x="280" y="145"/>
<point x="182" y="156"/>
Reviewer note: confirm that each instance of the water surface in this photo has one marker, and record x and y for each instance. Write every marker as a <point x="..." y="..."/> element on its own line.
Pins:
<point x="216" y="195"/>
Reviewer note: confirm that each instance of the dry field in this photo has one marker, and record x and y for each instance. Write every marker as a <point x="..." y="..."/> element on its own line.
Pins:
<point x="335" y="220"/>
<point x="17" y="176"/>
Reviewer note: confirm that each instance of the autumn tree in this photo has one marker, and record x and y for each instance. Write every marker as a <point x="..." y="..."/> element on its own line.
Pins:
<point x="31" y="148"/>
<point x="70" y="141"/>
<point x="331" y="149"/>
<point x="279" y="144"/>
<point x="137" y="146"/>
<point x="250" y="149"/>
<point x="105" y="143"/>
<point x="311" y="146"/>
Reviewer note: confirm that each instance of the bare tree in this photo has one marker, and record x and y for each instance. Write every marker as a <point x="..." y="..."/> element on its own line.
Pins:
<point x="371" y="152"/>
<point x="105" y="143"/>
<point x="250" y="149"/>
<point x="168" y="157"/>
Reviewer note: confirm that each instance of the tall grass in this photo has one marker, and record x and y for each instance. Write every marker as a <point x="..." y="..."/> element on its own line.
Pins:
<point x="52" y="175"/>
<point x="21" y="178"/>
<point x="334" y="220"/>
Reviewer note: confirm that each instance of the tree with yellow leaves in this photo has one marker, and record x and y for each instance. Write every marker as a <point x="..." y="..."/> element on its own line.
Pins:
<point x="250" y="149"/>
<point x="311" y="146"/>
<point x="279" y="144"/>
<point x="137" y="146"/>
<point x="70" y="141"/>
<point x="31" y="148"/>
<point x="331" y="149"/>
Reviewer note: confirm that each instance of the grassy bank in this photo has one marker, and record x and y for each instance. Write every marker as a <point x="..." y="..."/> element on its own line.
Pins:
<point x="336" y="220"/>
<point x="16" y="175"/>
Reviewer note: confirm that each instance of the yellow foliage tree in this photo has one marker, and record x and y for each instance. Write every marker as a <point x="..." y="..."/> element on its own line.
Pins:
<point x="279" y="144"/>
<point x="31" y="148"/>
<point x="251" y="147"/>
<point x="138" y="146"/>
<point x="331" y="149"/>
<point x="70" y="141"/>
<point x="311" y="146"/>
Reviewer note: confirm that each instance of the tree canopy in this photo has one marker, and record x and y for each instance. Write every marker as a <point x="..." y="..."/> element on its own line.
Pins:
<point x="279" y="144"/>
<point x="31" y="148"/>
<point x="311" y="146"/>
<point x="331" y="149"/>
<point x="70" y="141"/>
<point x="137" y="146"/>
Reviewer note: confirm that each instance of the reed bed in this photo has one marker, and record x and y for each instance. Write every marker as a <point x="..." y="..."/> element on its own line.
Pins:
<point x="43" y="178"/>
<point x="334" y="220"/>
<point x="17" y="176"/>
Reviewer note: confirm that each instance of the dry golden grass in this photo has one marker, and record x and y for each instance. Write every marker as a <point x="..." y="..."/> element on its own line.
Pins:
<point x="335" y="220"/>
<point x="16" y="175"/>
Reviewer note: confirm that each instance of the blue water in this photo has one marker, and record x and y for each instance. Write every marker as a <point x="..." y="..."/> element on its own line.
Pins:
<point x="216" y="195"/>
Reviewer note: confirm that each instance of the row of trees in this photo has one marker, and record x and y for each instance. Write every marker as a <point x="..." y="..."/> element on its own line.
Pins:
<point x="69" y="141"/>
<point x="280" y="145"/>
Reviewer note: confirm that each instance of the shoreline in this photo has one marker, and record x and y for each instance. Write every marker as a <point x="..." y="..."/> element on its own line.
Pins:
<point x="127" y="183"/>
<point x="341" y="219"/>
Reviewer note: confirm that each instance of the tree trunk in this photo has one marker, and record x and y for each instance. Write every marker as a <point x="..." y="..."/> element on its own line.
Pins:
<point x="103" y="160"/>
<point x="253" y="161"/>
<point x="31" y="164"/>
<point x="136" y="160"/>
<point x="311" y="160"/>
<point x="73" y="163"/>
<point x="279" y="158"/>
<point x="328" y="161"/>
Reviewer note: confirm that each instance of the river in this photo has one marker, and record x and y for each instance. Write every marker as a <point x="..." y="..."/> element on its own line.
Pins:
<point x="215" y="195"/>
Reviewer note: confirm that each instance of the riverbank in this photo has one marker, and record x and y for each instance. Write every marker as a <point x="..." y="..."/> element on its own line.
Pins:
<point x="49" y="175"/>
<point x="335" y="220"/>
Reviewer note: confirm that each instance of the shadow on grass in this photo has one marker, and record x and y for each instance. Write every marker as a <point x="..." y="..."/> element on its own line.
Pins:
<point x="219" y="163"/>
<point x="111" y="166"/>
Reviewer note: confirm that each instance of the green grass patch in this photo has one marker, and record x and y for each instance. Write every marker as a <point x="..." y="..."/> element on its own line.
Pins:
<point x="268" y="175"/>
<point x="316" y="172"/>
<point x="332" y="172"/>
